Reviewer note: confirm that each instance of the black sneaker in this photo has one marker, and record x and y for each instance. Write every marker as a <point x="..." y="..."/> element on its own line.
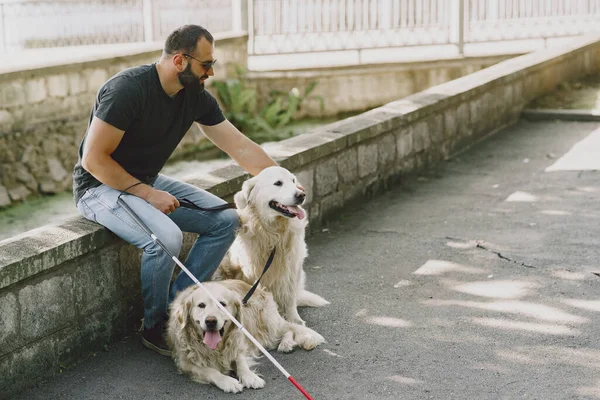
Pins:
<point x="154" y="339"/>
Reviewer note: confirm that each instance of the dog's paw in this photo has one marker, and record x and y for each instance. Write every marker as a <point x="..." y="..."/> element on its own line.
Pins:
<point x="252" y="381"/>
<point x="309" y="341"/>
<point x="229" y="385"/>
<point x="286" y="346"/>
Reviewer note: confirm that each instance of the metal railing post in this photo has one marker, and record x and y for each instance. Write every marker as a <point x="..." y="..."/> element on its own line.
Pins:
<point x="250" y="27"/>
<point x="457" y="24"/>
<point x="148" y="21"/>
<point x="236" y="16"/>
<point x="2" y="30"/>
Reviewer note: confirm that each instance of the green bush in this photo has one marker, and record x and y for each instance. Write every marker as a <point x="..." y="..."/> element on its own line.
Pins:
<point x="240" y="107"/>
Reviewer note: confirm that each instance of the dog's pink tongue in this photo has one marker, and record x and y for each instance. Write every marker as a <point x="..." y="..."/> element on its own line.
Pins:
<point x="297" y="211"/>
<point x="212" y="339"/>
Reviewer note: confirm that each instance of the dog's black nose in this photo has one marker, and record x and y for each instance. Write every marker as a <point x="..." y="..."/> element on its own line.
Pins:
<point x="300" y="197"/>
<point x="211" y="322"/>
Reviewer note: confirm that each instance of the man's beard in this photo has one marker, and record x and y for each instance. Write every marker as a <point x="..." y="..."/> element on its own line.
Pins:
<point x="191" y="81"/>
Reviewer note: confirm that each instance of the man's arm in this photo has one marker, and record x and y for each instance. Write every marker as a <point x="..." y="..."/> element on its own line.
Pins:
<point x="102" y="139"/>
<point x="239" y="147"/>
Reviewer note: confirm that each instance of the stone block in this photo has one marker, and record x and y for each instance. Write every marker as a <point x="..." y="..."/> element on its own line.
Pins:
<point x="58" y="85"/>
<point x="367" y="159"/>
<point x="95" y="78"/>
<point x="352" y="192"/>
<point x="450" y="125"/>
<point x="46" y="306"/>
<point x="95" y="280"/>
<point x="18" y="193"/>
<point x="56" y="170"/>
<point x="331" y="203"/>
<point x="387" y="151"/>
<point x="35" y="90"/>
<point x="462" y="120"/>
<point x="4" y="197"/>
<point x="130" y="259"/>
<point x="24" y="176"/>
<point x="347" y="165"/>
<point x="31" y="363"/>
<point x="326" y="177"/>
<point x="95" y="331"/>
<point x="306" y="179"/>
<point x="8" y="148"/>
<point x="12" y="94"/>
<point x="6" y="121"/>
<point x="436" y="127"/>
<point x="404" y="142"/>
<point x="422" y="140"/>
<point x="76" y="83"/>
<point x="9" y="322"/>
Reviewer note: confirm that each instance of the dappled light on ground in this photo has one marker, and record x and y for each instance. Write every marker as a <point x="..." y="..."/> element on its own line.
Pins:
<point x="494" y="289"/>
<point x="522" y="197"/>
<point x="584" y="155"/>
<point x="405" y="380"/>
<point x="525" y="326"/>
<point x="555" y="212"/>
<point x="440" y="267"/>
<point x="389" y="321"/>
<point x="532" y="310"/>
<point x="590" y="305"/>
<point x="573" y="357"/>
<point x="569" y="275"/>
<point x="590" y="391"/>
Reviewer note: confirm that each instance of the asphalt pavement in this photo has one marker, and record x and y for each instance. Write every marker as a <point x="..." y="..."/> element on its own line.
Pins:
<point x="478" y="280"/>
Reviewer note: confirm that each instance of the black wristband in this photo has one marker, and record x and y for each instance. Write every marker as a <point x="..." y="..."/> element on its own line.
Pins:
<point x="135" y="184"/>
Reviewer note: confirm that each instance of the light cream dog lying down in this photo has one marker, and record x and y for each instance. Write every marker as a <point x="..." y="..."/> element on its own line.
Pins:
<point x="208" y="346"/>
<point x="271" y="215"/>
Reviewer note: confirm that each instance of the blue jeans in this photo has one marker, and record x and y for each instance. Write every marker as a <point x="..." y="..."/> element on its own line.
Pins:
<point x="216" y="230"/>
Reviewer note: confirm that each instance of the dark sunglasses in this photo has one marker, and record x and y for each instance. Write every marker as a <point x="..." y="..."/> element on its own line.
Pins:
<point x="206" y="64"/>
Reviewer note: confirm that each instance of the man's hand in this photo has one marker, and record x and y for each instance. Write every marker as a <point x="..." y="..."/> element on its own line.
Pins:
<point x="163" y="201"/>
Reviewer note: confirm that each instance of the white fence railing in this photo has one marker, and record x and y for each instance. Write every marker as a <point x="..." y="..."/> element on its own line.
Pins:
<point x="40" y="23"/>
<point x="293" y="26"/>
<point x="280" y="27"/>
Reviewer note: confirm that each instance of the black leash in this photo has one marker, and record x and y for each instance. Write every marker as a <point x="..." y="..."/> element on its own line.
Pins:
<point x="253" y="288"/>
<point x="188" y="204"/>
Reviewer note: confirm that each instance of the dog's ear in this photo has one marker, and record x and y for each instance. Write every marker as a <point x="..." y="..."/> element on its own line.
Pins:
<point x="182" y="311"/>
<point x="241" y="197"/>
<point x="237" y="304"/>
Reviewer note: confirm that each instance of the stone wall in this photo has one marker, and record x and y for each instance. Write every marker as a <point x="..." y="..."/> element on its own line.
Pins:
<point x="45" y="109"/>
<point x="44" y="112"/>
<point x="362" y="87"/>
<point x="68" y="289"/>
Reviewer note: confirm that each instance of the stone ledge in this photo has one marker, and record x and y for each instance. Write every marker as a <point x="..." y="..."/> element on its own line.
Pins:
<point x="44" y="248"/>
<point x="22" y="64"/>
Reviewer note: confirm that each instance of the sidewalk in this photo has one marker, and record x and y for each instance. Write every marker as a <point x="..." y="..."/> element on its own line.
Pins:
<point x="476" y="281"/>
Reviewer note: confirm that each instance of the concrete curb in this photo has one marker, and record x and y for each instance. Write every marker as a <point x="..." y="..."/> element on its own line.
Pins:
<point x="562" y="115"/>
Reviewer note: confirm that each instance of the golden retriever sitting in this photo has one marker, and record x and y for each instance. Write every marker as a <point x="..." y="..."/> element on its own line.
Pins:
<point x="208" y="346"/>
<point x="271" y="214"/>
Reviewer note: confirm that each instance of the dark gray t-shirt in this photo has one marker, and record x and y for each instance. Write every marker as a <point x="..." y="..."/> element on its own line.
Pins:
<point x="154" y="123"/>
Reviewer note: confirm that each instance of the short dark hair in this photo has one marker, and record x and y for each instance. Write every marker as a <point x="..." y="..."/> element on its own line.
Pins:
<point x="185" y="38"/>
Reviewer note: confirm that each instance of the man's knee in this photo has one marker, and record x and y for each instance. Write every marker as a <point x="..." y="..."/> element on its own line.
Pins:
<point x="172" y="238"/>
<point x="229" y="221"/>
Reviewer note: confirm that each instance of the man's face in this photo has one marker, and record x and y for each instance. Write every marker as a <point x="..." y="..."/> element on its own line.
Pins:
<point x="193" y="76"/>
